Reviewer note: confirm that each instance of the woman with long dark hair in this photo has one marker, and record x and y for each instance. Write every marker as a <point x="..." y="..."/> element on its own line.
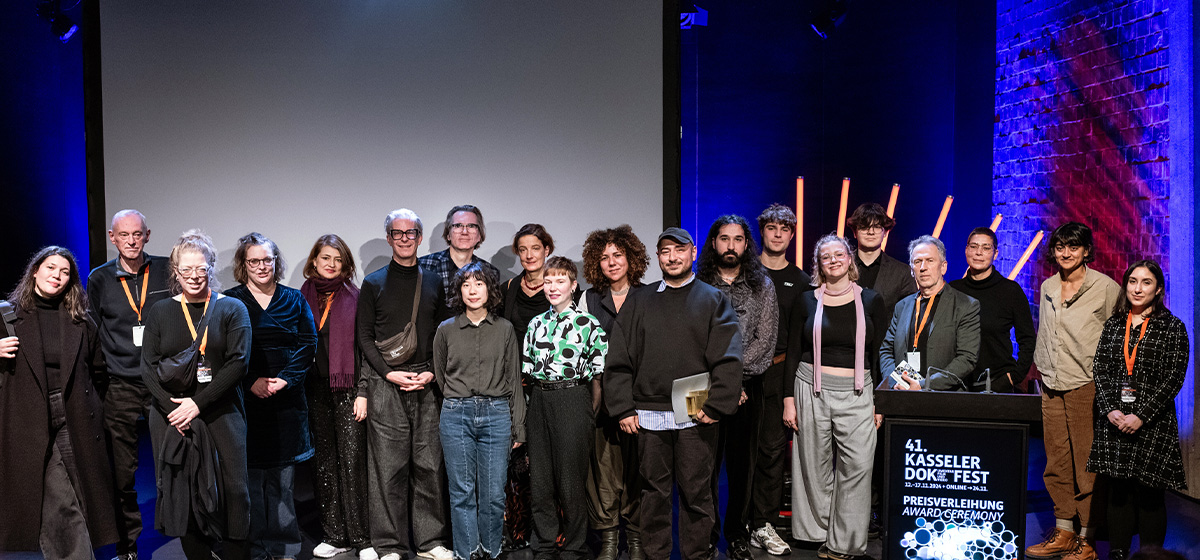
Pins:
<point x="1140" y="366"/>
<point x="284" y="341"/>
<point x="55" y="482"/>
<point x="337" y="397"/>
<point x="195" y="353"/>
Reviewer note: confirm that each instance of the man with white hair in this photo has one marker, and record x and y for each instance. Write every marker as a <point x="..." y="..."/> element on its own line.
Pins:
<point x="935" y="330"/>
<point x="118" y="293"/>
<point x="399" y="310"/>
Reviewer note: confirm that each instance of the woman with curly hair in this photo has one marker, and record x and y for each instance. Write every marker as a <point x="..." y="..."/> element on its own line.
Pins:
<point x="614" y="262"/>
<point x="477" y="364"/>
<point x="55" y="485"/>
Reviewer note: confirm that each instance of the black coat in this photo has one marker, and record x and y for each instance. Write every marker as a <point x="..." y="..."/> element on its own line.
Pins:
<point x="25" y="434"/>
<point x="1150" y="455"/>
<point x="283" y="345"/>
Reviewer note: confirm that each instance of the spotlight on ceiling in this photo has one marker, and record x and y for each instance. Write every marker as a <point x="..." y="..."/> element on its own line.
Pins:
<point x="828" y="15"/>
<point x="61" y="25"/>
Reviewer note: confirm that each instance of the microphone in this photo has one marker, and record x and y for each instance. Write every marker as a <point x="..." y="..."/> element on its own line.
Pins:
<point x="942" y="371"/>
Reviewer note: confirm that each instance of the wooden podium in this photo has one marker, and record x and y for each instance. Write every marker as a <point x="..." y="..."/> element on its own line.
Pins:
<point x="955" y="473"/>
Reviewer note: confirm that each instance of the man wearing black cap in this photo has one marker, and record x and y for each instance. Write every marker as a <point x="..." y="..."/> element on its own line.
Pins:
<point x="681" y="328"/>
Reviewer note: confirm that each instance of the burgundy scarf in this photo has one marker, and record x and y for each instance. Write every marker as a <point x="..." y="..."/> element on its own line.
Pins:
<point x="860" y="336"/>
<point x="341" y="325"/>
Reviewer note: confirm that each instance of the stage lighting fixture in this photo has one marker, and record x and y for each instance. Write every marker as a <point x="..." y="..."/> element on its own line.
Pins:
<point x="828" y="15"/>
<point x="60" y="24"/>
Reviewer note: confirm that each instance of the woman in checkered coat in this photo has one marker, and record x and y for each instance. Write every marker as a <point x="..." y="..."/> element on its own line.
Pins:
<point x="1140" y="366"/>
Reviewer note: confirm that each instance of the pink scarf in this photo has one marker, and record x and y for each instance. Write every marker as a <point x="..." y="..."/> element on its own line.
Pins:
<point x="860" y="335"/>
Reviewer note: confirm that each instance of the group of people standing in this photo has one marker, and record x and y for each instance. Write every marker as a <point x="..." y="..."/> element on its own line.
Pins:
<point x="482" y="415"/>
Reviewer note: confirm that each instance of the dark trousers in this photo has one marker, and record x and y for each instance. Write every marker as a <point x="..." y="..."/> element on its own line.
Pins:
<point x="773" y="436"/>
<point x="64" y="531"/>
<point x="406" y="476"/>
<point x="341" y="464"/>
<point x="125" y="401"/>
<point x="738" y="445"/>
<point x="559" y="428"/>
<point x="196" y="546"/>
<point x="685" y="458"/>
<point x="614" y="486"/>
<point x="274" y="528"/>
<point x="1135" y="508"/>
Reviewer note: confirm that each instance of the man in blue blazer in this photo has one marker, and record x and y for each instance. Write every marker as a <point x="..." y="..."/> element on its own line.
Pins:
<point x="935" y="330"/>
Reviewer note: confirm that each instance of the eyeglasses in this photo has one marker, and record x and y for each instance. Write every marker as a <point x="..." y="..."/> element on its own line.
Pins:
<point x="872" y="227"/>
<point x="401" y="234"/>
<point x="189" y="272"/>
<point x="828" y="258"/>
<point x="255" y="263"/>
<point x="460" y="227"/>
<point x="981" y="247"/>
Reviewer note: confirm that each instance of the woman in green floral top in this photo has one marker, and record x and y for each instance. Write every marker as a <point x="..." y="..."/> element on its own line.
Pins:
<point x="564" y="350"/>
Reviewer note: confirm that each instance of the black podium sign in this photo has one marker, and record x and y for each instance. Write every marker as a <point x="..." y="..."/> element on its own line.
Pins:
<point x="955" y="490"/>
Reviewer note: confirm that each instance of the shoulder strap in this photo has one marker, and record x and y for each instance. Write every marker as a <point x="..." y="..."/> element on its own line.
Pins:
<point x="417" y="295"/>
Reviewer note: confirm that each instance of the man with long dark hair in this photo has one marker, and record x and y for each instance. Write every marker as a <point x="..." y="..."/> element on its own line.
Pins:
<point x="729" y="261"/>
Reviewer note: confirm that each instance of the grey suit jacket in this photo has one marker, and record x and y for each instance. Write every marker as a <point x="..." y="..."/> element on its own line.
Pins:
<point x="953" y="343"/>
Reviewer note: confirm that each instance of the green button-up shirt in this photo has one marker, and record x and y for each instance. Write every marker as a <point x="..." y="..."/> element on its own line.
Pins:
<point x="562" y="346"/>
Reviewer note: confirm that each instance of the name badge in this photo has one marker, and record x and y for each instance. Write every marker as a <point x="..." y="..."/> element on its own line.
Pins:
<point x="914" y="360"/>
<point x="1128" y="393"/>
<point x="137" y="335"/>
<point x="204" y="373"/>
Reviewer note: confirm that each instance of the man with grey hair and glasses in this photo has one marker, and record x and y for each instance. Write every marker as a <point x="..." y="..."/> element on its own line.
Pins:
<point x="935" y="331"/>
<point x="120" y="291"/>
<point x="399" y="310"/>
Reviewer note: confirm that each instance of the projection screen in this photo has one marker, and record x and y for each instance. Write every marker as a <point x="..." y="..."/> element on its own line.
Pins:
<point x="309" y="117"/>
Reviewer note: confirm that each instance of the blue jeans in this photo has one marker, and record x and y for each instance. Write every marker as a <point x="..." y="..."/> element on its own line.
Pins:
<point x="476" y="438"/>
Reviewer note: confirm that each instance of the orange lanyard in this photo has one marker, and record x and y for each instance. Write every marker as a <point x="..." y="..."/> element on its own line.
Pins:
<point x="928" y="311"/>
<point x="187" y="315"/>
<point x="1129" y="358"/>
<point x="325" y="315"/>
<point x="128" y="295"/>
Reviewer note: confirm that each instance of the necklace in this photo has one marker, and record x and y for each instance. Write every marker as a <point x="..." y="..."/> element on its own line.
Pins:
<point x="532" y="287"/>
<point x="621" y="292"/>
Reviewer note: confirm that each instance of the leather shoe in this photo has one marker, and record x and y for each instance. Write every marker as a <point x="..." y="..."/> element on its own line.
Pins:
<point x="634" y="542"/>
<point x="1057" y="543"/>
<point x="739" y="550"/>
<point x="610" y="540"/>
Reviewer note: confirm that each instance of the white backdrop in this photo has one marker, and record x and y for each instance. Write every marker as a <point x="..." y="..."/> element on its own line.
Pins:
<point x="310" y="117"/>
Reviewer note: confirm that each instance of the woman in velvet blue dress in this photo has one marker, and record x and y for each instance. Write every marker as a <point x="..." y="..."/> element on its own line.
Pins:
<point x="284" y="341"/>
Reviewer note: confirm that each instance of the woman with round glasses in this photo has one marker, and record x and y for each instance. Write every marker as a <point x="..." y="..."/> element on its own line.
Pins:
<point x="831" y="351"/>
<point x="195" y="352"/>
<point x="284" y="342"/>
<point x="51" y="431"/>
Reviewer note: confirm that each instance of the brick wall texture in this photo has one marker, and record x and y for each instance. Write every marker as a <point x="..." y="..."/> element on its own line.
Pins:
<point x="1081" y="130"/>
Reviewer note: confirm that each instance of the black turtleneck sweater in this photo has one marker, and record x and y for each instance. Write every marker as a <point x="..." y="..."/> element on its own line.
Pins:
<point x="1003" y="307"/>
<point x="385" y="308"/>
<point x="49" y="312"/>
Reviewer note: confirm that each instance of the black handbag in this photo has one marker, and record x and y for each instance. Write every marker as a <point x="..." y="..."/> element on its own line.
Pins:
<point x="177" y="374"/>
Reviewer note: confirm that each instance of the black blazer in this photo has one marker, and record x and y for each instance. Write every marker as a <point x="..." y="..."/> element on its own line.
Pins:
<point x="953" y="343"/>
<point x="895" y="281"/>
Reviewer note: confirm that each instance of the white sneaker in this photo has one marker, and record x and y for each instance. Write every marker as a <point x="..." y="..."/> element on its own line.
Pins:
<point x="390" y="556"/>
<point x="326" y="550"/>
<point x="369" y="554"/>
<point x="438" y="552"/>
<point x="765" y="537"/>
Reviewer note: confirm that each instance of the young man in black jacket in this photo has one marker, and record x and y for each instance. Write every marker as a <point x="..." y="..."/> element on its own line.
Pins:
<point x="680" y="328"/>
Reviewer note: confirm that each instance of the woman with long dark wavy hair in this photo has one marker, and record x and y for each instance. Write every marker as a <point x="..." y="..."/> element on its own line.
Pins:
<point x="55" y="482"/>
<point x="1141" y="363"/>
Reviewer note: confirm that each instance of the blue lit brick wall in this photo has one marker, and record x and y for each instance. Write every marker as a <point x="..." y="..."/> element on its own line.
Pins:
<point x="1081" y="130"/>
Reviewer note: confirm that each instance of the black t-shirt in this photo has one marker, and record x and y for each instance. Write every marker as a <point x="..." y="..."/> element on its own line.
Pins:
<point x="868" y="273"/>
<point x="790" y="282"/>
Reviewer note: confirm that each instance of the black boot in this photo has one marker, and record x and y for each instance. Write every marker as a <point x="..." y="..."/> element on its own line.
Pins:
<point x="610" y="540"/>
<point x="634" y="540"/>
<point x="1118" y="554"/>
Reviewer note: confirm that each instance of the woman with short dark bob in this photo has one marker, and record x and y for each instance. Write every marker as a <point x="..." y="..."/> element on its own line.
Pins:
<point x="1140" y="366"/>
<point x="337" y="398"/>
<point x="55" y="484"/>
<point x="477" y="365"/>
<point x="195" y="353"/>
<point x="284" y="341"/>
<point x="614" y="261"/>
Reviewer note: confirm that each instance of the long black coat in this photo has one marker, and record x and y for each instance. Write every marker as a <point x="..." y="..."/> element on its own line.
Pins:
<point x="284" y="344"/>
<point x="25" y="434"/>
<point x="1151" y="455"/>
